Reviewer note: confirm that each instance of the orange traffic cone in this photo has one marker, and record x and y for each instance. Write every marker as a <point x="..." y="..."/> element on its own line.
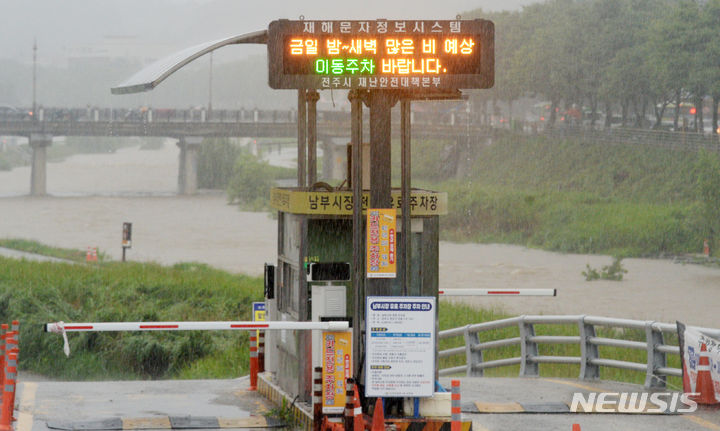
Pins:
<point x="685" y="378"/>
<point x="358" y="420"/>
<point x="378" y="421"/>
<point x="576" y="427"/>
<point x="91" y="255"/>
<point x="704" y="385"/>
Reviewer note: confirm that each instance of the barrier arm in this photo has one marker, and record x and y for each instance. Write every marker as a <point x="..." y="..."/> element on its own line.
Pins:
<point x="60" y="327"/>
<point x="497" y="292"/>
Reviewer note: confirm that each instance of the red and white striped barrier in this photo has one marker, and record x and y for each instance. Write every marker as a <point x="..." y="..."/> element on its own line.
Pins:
<point x="498" y="292"/>
<point x="60" y="327"/>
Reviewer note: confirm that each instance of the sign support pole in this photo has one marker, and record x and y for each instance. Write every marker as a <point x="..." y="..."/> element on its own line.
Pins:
<point x="380" y="103"/>
<point x="312" y="97"/>
<point x="356" y="114"/>
<point x="301" y="138"/>
<point x="405" y="194"/>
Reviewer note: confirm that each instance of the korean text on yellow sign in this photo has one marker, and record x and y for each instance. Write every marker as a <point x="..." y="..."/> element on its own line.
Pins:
<point x="381" y="244"/>
<point x="336" y="369"/>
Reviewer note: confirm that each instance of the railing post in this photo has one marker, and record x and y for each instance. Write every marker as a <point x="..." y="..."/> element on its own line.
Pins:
<point x="588" y="351"/>
<point x="528" y="350"/>
<point x="472" y="357"/>
<point x="655" y="359"/>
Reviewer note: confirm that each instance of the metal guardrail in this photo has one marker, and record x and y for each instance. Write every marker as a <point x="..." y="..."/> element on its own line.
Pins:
<point x="656" y="367"/>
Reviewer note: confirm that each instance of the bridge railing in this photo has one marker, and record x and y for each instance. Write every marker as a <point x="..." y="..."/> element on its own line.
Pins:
<point x="202" y="115"/>
<point x="656" y="367"/>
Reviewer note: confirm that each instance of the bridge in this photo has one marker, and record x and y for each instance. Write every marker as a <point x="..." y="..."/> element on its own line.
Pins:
<point x="191" y="126"/>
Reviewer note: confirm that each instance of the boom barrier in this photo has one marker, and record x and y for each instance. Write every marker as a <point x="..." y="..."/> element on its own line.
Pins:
<point x="498" y="292"/>
<point x="60" y="327"/>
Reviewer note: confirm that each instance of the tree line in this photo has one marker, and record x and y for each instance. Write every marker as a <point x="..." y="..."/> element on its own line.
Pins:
<point x="634" y="58"/>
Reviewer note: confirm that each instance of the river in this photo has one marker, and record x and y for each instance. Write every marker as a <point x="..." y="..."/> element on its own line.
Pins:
<point x="92" y="195"/>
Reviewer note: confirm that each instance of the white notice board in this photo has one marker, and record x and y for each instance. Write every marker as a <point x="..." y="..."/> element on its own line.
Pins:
<point x="399" y="346"/>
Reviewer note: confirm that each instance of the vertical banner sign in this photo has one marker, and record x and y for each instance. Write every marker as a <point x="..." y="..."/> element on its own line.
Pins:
<point x="336" y="369"/>
<point x="400" y="346"/>
<point x="381" y="234"/>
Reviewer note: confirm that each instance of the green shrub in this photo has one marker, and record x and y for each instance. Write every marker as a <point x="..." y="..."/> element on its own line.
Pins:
<point x="216" y="162"/>
<point x="614" y="271"/>
<point x="251" y="182"/>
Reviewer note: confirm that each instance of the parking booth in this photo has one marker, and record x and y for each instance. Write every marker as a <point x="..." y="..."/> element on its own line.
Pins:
<point x="315" y="227"/>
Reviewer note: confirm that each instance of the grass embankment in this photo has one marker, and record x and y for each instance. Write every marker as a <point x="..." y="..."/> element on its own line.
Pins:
<point x="626" y="200"/>
<point x="37" y="293"/>
<point x="45" y="250"/>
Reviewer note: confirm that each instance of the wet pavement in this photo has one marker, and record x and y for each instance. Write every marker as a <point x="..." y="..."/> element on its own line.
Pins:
<point x="164" y="404"/>
<point x="139" y="404"/>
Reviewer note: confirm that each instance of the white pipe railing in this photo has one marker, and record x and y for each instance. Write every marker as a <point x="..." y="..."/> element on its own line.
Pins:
<point x="655" y="368"/>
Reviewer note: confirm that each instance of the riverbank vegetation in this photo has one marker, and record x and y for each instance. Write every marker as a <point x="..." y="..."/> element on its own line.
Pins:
<point x="36" y="293"/>
<point x="625" y="199"/>
<point x="560" y="194"/>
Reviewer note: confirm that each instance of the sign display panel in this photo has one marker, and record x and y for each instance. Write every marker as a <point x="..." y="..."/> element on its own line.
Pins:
<point x="258" y="314"/>
<point x="382" y="54"/>
<point x="400" y="346"/>
<point x="422" y="202"/>
<point x="127" y="235"/>
<point x="381" y="243"/>
<point x="336" y="366"/>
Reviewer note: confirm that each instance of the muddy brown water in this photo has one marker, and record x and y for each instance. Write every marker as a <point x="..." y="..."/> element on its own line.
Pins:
<point x="92" y="195"/>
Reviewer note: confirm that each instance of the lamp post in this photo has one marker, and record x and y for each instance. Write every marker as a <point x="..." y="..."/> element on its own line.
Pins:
<point x="210" y="85"/>
<point x="34" y="85"/>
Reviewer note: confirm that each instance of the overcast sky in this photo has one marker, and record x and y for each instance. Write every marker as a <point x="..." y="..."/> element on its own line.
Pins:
<point x="66" y="28"/>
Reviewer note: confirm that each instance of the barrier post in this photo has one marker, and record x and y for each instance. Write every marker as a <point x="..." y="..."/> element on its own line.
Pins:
<point x="8" y="395"/>
<point x="3" y="332"/>
<point x="317" y="399"/>
<point x="261" y="351"/>
<point x="253" y="361"/>
<point x="12" y="349"/>
<point x="455" y="411"/>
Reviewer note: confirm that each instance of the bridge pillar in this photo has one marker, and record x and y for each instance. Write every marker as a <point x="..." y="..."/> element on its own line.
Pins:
<point x="187" y="172"/>
<point x="38" y="174"/>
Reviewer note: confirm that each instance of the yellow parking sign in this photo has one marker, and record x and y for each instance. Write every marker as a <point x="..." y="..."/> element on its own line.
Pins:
<point x="336" y="369"/>
<point x="381" y="243"/>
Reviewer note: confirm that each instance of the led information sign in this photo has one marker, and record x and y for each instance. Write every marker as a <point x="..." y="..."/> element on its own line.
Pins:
<point x="382" y="54"/>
